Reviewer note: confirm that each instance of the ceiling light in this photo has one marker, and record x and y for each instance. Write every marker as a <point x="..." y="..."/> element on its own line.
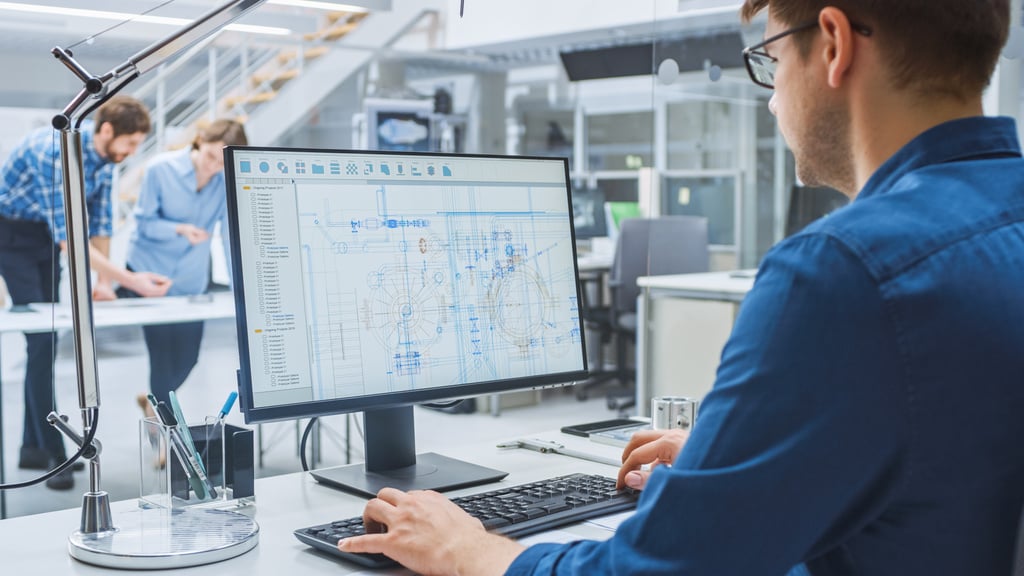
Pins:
<point x="319" y="5"/>
<point x="124" y="16"/>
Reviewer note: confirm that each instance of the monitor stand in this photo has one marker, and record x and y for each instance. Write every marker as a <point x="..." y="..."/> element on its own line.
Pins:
<point x="391" y="461"/>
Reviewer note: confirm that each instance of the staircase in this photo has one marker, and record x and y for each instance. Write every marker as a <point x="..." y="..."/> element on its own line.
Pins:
<point x="271" y="87"/>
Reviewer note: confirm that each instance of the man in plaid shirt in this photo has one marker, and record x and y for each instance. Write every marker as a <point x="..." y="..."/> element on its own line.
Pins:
<point x="33" y="229"/>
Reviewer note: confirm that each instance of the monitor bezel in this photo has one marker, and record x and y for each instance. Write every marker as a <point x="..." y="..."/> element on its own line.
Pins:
<point x="255" y="414"/>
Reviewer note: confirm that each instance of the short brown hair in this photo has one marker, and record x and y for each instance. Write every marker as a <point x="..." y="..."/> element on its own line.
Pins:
<point x="125" y="114"/>
<point x="945" y="46"/>
<point x="230" y="132"/>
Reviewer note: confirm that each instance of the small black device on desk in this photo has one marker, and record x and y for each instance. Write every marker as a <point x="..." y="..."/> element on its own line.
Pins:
<point x="513" y="511"/>
<point x="589" y="428"/>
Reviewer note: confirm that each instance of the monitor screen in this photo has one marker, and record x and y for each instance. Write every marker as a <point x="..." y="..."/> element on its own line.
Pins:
<point x="399" y="130"/>
<point x="588" y="212"/>
<point x="369" y="281"/>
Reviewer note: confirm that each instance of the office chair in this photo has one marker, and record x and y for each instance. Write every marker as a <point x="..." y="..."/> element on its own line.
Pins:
<point x="644" y="247"/>
<point x="1018" y="565"/>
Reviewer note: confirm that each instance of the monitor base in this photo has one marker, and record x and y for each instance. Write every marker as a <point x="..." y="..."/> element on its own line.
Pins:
<point x="431" y="472"/>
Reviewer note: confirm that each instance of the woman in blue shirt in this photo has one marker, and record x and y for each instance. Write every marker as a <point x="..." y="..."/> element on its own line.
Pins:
<point x="181" y="200"/>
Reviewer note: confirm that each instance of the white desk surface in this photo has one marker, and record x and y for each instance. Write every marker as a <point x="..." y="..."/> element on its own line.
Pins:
<point x="38" y="544"/>
<point x="730" y="286"/>
<point x="121" y="312"/>
<point x="595" y="262"/>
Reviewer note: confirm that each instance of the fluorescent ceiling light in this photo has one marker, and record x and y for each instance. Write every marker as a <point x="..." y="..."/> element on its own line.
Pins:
<point x="123" y="16"/>
<point x="319" y="5"/>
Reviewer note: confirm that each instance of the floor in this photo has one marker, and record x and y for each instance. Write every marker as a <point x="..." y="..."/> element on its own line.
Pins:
<point x="123" y="370"/>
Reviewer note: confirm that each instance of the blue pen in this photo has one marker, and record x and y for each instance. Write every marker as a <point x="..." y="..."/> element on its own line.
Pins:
<point x="227" y="405"/>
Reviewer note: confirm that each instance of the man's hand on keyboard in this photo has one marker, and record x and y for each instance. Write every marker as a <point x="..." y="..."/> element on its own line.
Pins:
<point x="428" y="534"/>
<point x="646" y="450"/>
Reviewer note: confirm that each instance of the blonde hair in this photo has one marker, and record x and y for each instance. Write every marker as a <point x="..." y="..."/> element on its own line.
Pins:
<point x="230" y="132"/>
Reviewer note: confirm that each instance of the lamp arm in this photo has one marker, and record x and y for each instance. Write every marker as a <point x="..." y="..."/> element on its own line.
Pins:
<point x="97" y="90"/>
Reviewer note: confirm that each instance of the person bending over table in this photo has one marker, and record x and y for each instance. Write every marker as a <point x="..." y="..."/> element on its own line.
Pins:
<point x="181" y="199"/>
<point x="33" y="232"/>
<point x="866" y="417"/>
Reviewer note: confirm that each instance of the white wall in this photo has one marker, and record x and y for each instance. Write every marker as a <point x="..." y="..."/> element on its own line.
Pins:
<point x="490" y="21"/>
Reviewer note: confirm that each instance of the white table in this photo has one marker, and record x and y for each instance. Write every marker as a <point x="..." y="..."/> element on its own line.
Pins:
<point x="122" y="312"/>
<point x="684" y="321"/>
<point x="38" y="544"/>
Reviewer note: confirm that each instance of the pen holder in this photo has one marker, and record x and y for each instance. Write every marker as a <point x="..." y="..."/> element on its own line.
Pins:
<point x="224" y="451"/>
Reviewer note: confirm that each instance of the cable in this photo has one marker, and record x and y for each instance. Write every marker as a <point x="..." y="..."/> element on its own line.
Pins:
<point x="86" y="445"/>
<point x="118" y="25"/>
<point x="302" y="443"/>
<point x="443" y="405"/>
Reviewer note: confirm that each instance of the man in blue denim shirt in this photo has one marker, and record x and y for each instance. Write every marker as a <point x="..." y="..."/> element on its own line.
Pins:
<point x="866" y="417"/>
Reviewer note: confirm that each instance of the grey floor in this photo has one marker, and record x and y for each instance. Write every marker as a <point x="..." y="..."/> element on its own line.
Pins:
<point x="124" y="369"/>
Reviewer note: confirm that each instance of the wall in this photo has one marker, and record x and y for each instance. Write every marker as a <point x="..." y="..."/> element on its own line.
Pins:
<point x="490" y="22"/>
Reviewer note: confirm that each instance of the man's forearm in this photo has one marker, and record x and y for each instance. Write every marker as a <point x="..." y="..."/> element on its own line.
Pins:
<point x="99" y="249"/>
<point x="98" y="261"/>
<point x="101" y="243"/>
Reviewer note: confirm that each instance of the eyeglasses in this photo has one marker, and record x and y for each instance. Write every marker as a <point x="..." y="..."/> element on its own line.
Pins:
<point x="761" y="65"/>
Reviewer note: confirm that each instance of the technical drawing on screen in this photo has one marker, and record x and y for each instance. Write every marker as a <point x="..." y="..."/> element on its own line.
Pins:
<point x="372" y="280"/>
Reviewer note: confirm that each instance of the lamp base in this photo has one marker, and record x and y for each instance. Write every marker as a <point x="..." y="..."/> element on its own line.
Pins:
<point x="161" y="538"/>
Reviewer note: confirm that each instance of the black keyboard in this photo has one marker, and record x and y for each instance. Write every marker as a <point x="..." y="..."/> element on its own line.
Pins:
<point x="514" y="511"/>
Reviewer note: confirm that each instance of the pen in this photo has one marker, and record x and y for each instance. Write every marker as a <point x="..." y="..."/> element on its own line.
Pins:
<point x="174" y="447"/>
<point x="193" y="471"/>
<point x="227" y="405"/>
<point x="549" y="447"/>
<point x="186" y="434"/>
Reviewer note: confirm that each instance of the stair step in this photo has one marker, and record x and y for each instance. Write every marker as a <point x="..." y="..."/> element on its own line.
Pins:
<point x="274" y="79"/>
<point x="338" y="15"/>
<point x="329" y="34"/>
<point x="335" y="32"/>
<point x="256" y="98"/>
<point x="287" y="56"/>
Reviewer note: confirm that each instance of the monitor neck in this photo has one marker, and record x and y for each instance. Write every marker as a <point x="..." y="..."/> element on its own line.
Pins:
<point x="390" y="439"/>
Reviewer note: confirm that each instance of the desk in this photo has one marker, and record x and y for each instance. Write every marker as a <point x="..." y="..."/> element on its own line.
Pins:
<point x="684" y="321"/>
<point x="594" y="262"/>
<point x="124" y="312"/>
<point x="38" y="544"/>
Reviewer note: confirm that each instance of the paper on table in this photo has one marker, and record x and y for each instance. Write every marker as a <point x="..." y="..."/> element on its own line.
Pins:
<point x="610" y="522"/>
<point x="550" y="537"/>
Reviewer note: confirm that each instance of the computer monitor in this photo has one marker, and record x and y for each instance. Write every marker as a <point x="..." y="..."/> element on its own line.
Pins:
<point x="588" y="212"/>
<point x="399" y="125"/>
<point x="371" y="281"/>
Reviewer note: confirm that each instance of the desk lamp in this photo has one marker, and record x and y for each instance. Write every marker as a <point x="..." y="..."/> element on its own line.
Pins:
<point x="144" y="538"/>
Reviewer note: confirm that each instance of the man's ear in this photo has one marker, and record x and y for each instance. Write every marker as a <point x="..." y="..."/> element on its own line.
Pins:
<point x="838" y="44"/>
<point x="105" y="131"/>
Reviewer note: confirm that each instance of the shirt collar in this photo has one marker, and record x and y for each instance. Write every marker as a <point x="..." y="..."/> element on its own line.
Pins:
<point x="975" y="137"/>
<point x="182" y="163"/>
